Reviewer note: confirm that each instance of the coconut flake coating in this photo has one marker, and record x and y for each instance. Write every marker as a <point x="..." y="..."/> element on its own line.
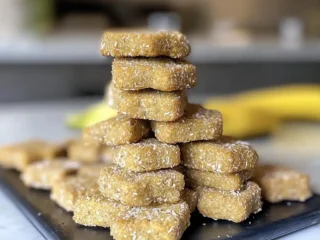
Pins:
<point x="222" y="156"/>
<point x="19" y="156"/>
<point x="141" y="189"/>
<point x="144" y="44"/>
<point x="166" y="222"/>
<point x="98" y="210"/>
<point x="66" y="191"/>
<point x="146" y="155"/>
<point x="43" y="174"/>
<point x="151" y="104"/>
<point x="279" y="184"/>
<point x="162" y="74"/>
<point x="116" y="131"/>
<point x="197" y="124"/>
<point x="232" y="206"/>
<point x="221" y="181"/>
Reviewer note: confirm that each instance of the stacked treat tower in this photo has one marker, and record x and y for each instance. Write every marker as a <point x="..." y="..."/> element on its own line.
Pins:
<point x="143" y="194"/>
<point x="219" y="170"/>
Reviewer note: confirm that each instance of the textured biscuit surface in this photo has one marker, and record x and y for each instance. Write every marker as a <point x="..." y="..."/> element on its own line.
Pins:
<point x="20" y="155"/>
<point x="151" y="104"/>
<point x="43" y="174"/>
<point x="66" y="191"/>
<point x="116" y="131"/>
<point x="221" y="181"/>
<point x="98" y="210"/>
<point x="144" y="44"/>
<point x="141" y="189"/>
<point x="278" y="184"/>
<point x="162" y="74"/>
<point x="166" y="222"/>
<point x="146" y="155"/>
<point x="223" y="156"/>
<point x="232" y="206"/>
<point x="197" y="124"/>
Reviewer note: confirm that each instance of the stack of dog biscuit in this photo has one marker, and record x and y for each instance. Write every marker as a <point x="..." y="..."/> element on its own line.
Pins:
<point x="219" y="170"/>
<point x="142" y="195"/>
<point x="218" y="167"/>
<point x="145" y="186"/>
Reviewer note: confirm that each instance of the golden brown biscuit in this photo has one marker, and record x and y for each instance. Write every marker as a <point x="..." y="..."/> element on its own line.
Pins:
<point x="116" y="131"/>
<point x="278" y="184"/>
<point x="97" y="210"/>
<point x="141" y="189"/>
<point x="43" y="174"/>
<point x="232" y="206"/>
<point x="20" y="155"/>
<point x="144" y="44"/>
<point x="197" y="124"/>
<point x="164" y="222"/>
<point x="146" y="155"/>
<point x="221" y="181"/>
<point x="162" y="74"/>
<point x="151" y="104"/>
<point x="66" y="191"/>
<point x="223" y="156"/>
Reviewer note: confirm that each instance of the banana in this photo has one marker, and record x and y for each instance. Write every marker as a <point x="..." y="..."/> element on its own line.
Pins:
<point x="241" y="122"/>
<point x="94" y="114"/>
<point x="286" y="102"/>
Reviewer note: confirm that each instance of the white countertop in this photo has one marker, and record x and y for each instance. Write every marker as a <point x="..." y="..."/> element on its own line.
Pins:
<point x="46" y="120"/>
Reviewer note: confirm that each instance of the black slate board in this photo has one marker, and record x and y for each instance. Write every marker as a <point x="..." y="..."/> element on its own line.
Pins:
<point x="54" y="223"/>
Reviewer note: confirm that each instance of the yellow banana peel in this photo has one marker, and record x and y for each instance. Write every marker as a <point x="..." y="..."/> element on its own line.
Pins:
<point x="260" y="111"/>
<point x="94" y="114"/>
<point x="243" y="122"/>
<point x="286" y="102"/>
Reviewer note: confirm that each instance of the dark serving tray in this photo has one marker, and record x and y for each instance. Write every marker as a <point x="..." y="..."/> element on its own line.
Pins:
<point x="54" y="223"/>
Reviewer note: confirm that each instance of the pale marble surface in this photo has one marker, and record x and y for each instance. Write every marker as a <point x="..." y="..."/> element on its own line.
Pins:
<point x="13" y="225"/>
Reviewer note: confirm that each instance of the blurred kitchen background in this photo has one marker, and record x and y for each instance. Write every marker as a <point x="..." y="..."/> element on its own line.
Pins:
<point x="51" y="69"/>
<point x="49" y="49"/>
